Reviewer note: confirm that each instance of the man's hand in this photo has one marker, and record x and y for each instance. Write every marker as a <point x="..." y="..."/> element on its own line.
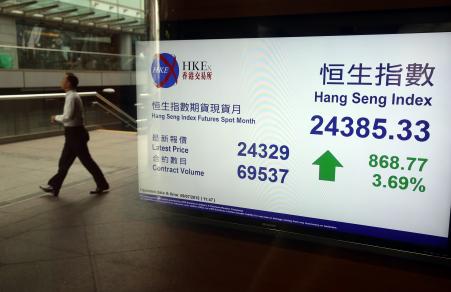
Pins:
<point x="52" y="119"/>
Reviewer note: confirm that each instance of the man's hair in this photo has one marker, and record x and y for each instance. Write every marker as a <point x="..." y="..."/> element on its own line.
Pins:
<point x="73" y="80"/>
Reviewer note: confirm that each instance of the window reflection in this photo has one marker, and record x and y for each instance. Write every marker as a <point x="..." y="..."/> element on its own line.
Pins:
<point x="55" y="48"/>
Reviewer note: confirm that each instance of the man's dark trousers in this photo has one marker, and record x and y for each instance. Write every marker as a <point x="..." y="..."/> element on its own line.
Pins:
<point x="76" y="145"/>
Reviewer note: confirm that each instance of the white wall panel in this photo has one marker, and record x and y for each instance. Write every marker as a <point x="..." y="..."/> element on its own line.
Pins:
<point x="11" y="79"/>
<point x="116" y="78"/>
<point x="43" y="78"/>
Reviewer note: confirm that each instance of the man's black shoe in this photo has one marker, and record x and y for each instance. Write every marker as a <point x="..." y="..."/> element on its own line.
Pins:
<point x="50" y="189"/>
<point x="99" y="191"/>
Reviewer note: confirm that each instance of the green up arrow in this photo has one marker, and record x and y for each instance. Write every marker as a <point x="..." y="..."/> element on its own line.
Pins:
<point x="327" y="164"/>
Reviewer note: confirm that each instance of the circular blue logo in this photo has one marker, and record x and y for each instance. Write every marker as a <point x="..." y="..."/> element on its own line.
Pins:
<point x="164" y="70"/>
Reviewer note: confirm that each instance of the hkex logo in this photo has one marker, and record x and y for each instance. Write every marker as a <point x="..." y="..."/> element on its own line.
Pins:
<point x="164" y="70"/>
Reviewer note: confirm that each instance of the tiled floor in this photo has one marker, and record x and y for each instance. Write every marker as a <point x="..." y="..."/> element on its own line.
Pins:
<point x="25" y="165"/>
<point x="115" y="242"/>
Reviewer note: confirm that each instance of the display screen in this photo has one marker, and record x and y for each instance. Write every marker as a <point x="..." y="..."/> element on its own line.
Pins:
<point x="341" y="134"/>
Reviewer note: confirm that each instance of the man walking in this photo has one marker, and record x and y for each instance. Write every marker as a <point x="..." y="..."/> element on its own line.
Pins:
<point x="76" y="140"/>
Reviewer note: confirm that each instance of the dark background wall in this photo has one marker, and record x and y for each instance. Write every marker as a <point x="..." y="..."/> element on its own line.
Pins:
<point x="176" y="10"/>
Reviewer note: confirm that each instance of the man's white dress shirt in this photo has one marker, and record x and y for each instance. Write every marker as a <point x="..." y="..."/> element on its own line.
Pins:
<point x="73" y="114"/>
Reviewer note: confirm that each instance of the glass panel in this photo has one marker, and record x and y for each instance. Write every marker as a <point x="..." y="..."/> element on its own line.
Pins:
<point x="32" y="116"/>
<point x="30" y="58"/>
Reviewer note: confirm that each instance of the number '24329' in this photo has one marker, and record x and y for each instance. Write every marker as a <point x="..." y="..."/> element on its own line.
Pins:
<point x="262" y="150"/>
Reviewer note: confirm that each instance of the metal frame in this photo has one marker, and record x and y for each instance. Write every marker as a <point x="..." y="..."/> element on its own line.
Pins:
<point x="18" y="5"/>
<point x="39" y="9"/>
<point x="78" y="16"/>
<point x="60" y="13"/>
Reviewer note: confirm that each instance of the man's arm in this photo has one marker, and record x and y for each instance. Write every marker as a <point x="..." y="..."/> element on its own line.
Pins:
<point x="68" y="113"/>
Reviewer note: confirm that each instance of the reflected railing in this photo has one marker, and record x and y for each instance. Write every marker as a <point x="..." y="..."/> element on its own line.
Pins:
<point x="111" y="108"/>
<point x="24" y="116"/>
<point x="18" y="57"/>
